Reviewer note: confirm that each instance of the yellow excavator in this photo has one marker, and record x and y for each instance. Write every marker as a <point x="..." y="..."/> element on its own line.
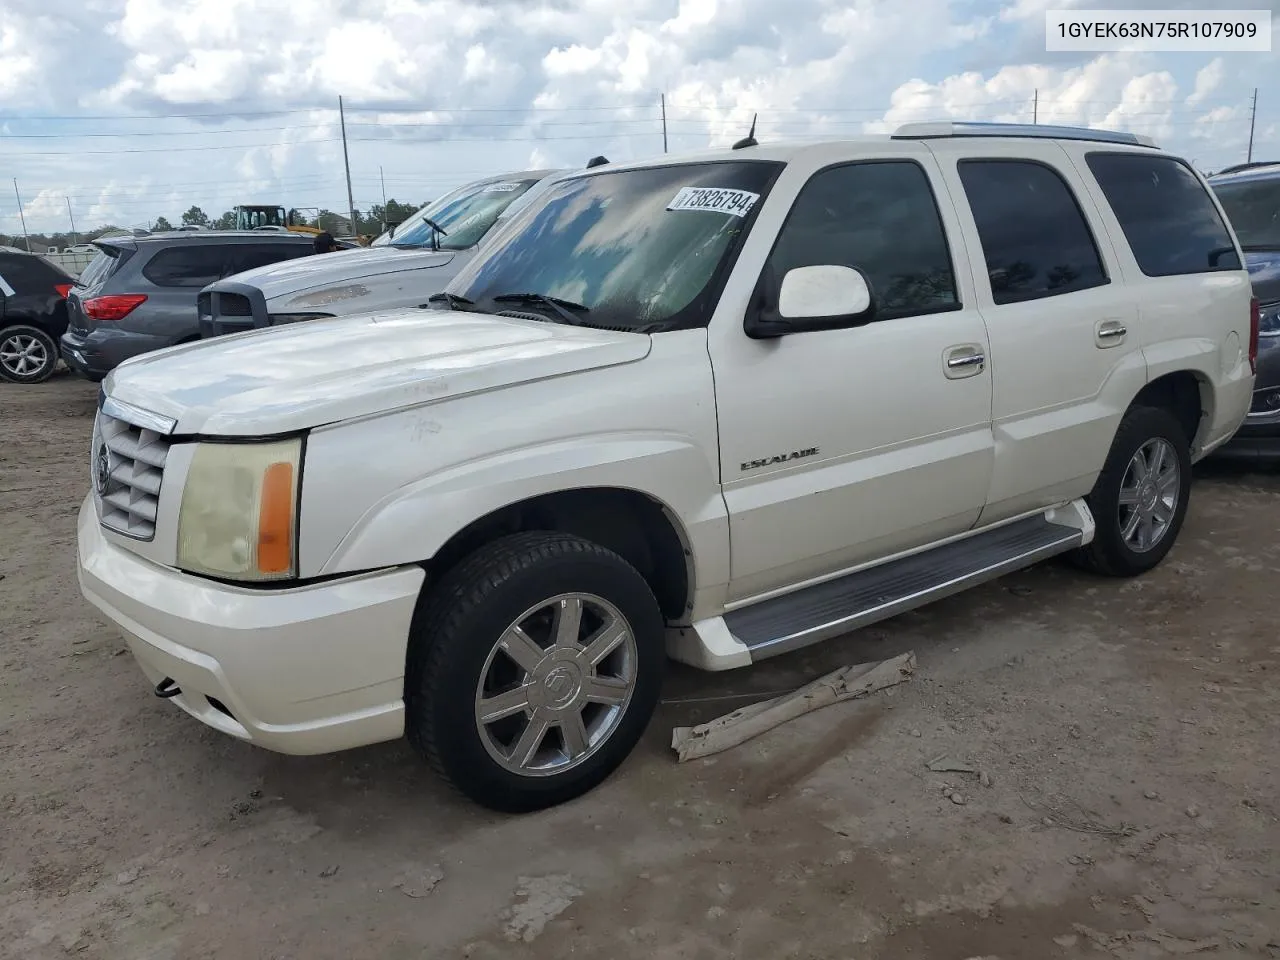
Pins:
<point x="270" y="216"/>
<point x="273" y="217"/>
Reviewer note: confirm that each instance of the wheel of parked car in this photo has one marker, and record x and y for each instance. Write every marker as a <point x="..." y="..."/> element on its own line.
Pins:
<point x="534" y="667"/>
<point x="1140" y="498"/>
<point x="27" y="354"/>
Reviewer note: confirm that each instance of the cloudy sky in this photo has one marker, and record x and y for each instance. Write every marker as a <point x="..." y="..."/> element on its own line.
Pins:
<point x="139" y="108"/>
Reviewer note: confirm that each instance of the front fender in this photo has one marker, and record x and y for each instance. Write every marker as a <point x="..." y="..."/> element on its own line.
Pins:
<point x="413" y="522"/>
<point x="394" y="488"/>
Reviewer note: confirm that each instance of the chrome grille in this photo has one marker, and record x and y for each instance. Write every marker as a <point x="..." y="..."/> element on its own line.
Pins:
<point x="127" y="472"/>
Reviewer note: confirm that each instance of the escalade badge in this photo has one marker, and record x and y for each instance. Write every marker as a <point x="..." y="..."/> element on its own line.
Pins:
<point x="101" y="470"/>
<point x="780" y="458"/>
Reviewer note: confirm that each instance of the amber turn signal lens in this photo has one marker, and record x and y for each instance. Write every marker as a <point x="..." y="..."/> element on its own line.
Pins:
<point x="275" y="520"/>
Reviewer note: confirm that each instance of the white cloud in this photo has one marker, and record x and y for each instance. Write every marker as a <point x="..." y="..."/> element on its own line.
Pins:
<point x="440" y="91"/>
<point x="1208" y="79"/>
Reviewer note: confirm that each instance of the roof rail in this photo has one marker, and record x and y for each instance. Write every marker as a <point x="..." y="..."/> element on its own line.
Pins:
<point x="948" y="128"/>
<point x="1236" y="168"/>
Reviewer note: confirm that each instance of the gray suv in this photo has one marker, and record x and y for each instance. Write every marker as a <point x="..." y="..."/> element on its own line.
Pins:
<point x="1250" y="193"/>
<point x="139" y="293"/>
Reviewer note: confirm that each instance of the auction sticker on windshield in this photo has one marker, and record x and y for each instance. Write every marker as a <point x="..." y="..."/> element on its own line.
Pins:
<point x="504" y="187"/>
<point x="716" y="199"/>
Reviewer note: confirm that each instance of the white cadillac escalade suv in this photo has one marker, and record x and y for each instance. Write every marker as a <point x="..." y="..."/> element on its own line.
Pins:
<point x="715" y="408"/>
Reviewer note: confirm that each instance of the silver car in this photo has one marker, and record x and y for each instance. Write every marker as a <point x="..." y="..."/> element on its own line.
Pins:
<point x="401" y="268"/>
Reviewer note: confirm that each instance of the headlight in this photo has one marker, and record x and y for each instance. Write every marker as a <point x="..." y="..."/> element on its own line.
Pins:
<point x="239" y="510"/>
<point x="1269" y="320"/>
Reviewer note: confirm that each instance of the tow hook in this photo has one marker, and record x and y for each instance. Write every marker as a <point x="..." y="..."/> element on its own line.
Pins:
<point x="167" y="688"/>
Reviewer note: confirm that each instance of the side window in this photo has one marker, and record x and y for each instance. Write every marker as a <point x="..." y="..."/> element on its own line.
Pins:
<point x="197" y="265"/>
<point x="880" y="217"/>
<point x="248" y="256"/>
<point x="1167" y="216"/>
<point x="23" y="275"/>
<point x="1035" y="239"/>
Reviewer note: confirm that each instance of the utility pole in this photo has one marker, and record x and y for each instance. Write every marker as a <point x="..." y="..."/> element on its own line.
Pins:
<point x="1035" y="107"/>
<point x="664" y="123"/>
<point x="21" y="216"/>
<point x="346" y="163"/>
<point x="383" y="181"/>
<point x="75" y="239"/>
<point x="1253" y="116"/>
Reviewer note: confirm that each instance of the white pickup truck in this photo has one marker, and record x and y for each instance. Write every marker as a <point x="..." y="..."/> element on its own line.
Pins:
<point x="716" y="407"/>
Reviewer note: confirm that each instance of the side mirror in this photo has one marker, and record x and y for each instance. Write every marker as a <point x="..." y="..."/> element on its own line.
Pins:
<point x="811" y="293"/>
<point x="821" y="297"/>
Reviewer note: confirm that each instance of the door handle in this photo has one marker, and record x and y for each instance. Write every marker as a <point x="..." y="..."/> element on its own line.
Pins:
<point x="964" y="360"/>
<point x="1109" y="333"/>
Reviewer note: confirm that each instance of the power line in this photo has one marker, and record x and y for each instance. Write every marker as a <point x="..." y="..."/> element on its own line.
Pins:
<point x="325" y="109"/>
<point x="315" y="126"/>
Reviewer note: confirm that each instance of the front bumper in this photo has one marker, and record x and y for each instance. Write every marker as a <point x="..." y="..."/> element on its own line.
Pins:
<point x="300" y="670"/>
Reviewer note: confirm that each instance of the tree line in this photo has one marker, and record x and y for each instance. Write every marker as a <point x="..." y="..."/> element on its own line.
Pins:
<point x="369" y="222"/>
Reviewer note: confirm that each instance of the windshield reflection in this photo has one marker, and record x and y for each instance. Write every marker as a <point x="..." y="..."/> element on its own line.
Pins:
<point x="639" y="249"/>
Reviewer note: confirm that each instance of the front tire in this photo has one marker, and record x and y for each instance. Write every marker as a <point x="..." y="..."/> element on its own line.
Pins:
<point x="1140" y="498"/>
<point x="27" y="354"/>
<point x="534" y="667"/>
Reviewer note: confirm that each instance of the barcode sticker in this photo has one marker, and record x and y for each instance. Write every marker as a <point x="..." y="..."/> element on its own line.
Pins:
<point x="505" y="186"/>
<point x="738" y="203"/>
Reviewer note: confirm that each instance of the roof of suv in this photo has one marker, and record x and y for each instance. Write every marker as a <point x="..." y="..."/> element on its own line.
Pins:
<point x="207" y="236"/>
<point x="1258" y="170"/>
<point x="787" y="151"/>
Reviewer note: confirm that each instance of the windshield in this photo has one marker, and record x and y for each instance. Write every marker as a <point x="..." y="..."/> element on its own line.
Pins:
<point x="1253" y="207"/>
<point x="465" y="216"/>
<point x="632" y="249"/>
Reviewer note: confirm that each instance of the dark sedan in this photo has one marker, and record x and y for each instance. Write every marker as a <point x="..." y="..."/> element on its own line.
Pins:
<point x="1251" y="196"/>
<point x="33" y="315"/>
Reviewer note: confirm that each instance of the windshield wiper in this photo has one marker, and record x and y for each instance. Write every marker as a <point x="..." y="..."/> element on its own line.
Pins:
<point x="453" y="301"/>
<point x="559" y="306"/>
<point x="437" y="232"/>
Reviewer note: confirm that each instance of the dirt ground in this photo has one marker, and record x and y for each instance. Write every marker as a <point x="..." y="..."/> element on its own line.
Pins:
<point x="1126" y="736"/>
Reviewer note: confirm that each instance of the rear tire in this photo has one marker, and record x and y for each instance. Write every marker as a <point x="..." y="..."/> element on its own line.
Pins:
<point x="533" y="669"/>
<point x="1140" y="498"/>
<point x="27" y="354"/>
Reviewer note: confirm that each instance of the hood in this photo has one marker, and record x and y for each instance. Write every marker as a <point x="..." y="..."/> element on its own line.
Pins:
<point x="305" y="273"/>
<point x="1264" y="274"/>
<point x="282" y="379"/>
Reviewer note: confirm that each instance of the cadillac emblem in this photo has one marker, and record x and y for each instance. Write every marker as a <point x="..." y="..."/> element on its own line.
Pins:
<point x="101" y="470"/>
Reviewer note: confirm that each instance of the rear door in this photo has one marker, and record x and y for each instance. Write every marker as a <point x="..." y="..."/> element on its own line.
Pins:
<point x="1064" y="341"/>
<point x="92" y="280"/>
<point x="173" y="278"/>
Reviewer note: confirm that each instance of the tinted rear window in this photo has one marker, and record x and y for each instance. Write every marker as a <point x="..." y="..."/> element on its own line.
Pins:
<point x="247" y="256"/>
<point x="27" y="274"/>
<point x="1034" y="237"/>
<point x="100" y="267"/>
<point x="1167" y="215"/>
<point x="195" y="266"/>
<point x="1253" y="207"/>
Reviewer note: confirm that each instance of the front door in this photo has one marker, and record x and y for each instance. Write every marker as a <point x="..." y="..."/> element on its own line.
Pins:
<point x="845" y="446"/>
